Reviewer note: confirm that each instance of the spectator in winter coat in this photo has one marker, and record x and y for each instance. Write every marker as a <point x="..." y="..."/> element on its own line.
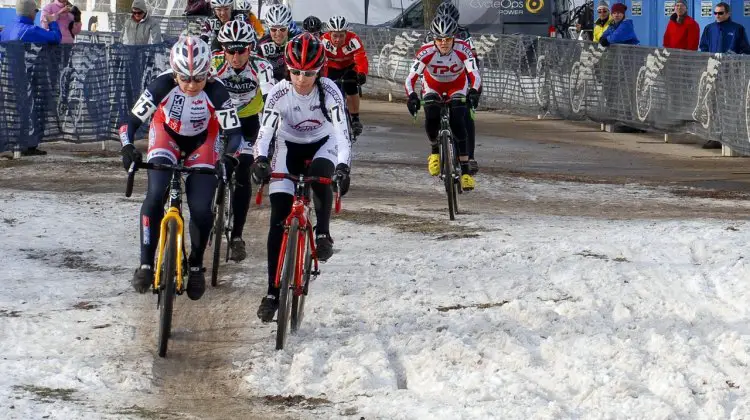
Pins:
<point x="621" y="30"/>
<point x="724" y="35"/>
<point x="603" y="20"/>
<point x="23" y="29"/>
<point x="70" y="24"/>
<point x="682" y="31"/>
<point x="141" y="29"/>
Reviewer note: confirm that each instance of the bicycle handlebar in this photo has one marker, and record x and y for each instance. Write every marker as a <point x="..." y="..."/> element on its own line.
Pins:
<point x="309" y="179"/>
<point x="162" y="167"/>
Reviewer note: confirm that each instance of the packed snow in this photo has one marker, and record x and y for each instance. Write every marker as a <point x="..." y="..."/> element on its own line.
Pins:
<point x="504" y="315"/>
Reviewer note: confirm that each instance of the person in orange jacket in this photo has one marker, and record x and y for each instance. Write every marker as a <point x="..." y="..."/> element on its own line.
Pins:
<point x="347" y="60"/>
<point x="682" y="31"/>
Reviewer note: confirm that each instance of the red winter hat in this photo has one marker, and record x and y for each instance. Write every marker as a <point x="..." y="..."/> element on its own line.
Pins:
<point x="619" y="8"/>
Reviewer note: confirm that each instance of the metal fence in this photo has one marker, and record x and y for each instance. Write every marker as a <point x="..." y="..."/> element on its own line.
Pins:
<point x="84" y="91"/>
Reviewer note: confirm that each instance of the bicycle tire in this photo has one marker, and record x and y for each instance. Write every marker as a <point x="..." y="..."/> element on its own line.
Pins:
<point x="287" y="279"/>
<point x="167" y="286"/>
<point x="228" y="219"/>
<point x="218" y="232"/>
<point x="446" y="164"/>
<point x="456" y="178"/>
<point x="298" y="302"/>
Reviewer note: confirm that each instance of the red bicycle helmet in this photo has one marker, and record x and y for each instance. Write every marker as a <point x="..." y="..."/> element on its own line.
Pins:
<point x="305" y="52"/>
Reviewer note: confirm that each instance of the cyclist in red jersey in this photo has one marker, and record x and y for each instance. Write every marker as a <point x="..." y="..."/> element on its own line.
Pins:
<point x="347" y="60"/>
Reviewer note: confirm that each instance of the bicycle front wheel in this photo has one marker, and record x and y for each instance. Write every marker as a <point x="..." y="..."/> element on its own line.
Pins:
<point x="286" y="284"/>
<point x="446" y="167"/>
<point x="218" y="232"/>
<point x="298" y="301"/>
<point x="167" y="286"/>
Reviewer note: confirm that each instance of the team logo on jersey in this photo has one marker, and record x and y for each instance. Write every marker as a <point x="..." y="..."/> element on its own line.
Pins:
<point x="175" y="111"/>
<point x="308" y="125"/>
<point x="440" y="70"/>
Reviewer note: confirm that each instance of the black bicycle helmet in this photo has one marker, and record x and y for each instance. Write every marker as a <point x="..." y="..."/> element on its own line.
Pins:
<point x="449" y="9"/>
<point x="312" y="24"/>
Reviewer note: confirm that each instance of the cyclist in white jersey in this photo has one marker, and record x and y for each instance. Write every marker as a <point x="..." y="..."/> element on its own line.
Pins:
<point x="247" y="78"/>
<point x="188" y="109"/>
<point x="307" y="114"/>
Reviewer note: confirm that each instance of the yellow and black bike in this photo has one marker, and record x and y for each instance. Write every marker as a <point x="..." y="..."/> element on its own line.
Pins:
<point x="171" y="261"/>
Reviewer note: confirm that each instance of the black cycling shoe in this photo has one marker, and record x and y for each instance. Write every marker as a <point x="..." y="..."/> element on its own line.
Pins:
<point x="267" y="308"/>
<point x="237" y="250"/>
<point x="357" y="127"/>
<point x="33" y="151"/>
<point x="196" y="283"/>
<point x="143" y="278"/>
<point x="473" y="167"/>
<point x="324" y="246"/>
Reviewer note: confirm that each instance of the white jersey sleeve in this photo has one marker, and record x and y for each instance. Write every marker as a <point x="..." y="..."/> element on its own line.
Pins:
<point x="337" y="110"/>
<point x="264" y="69"/>
<point x="270" y="118"/>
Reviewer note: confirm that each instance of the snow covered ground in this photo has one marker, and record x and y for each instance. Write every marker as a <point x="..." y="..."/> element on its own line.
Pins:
<point x="497" y="315"/>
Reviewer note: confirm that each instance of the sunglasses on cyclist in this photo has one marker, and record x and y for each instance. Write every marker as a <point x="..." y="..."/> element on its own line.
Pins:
<point x="306" y="73"/>
<point x="279" y="29"/>
<point x="236" y="50"/>
<point x="444" y="38"/>
<point x="188" y="79"/>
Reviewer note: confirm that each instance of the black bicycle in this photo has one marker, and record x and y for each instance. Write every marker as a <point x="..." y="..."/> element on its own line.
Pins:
<point x="171" y="256"/>
<point x="223" y="220"/>
<point x="450" y="169"/>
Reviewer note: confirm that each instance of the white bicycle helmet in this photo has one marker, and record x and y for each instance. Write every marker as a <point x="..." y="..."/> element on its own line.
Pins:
<point x="221" y="3"/>
<point x="338" y="24"/>
<point x="190" y="57"/>
<point x="278" y="15"/>
<point x="237" y="32"/>
<point x="443" y="26"/>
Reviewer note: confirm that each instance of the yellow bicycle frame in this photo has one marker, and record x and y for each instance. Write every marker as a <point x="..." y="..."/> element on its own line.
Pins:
<point x="172" y="214"/>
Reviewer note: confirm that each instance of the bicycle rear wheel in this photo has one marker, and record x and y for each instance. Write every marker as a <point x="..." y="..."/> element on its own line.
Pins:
<point x="218" y="232"/>
<point x="298" y="302"/>
<point x="167" y="285"/>
<point x="228" y="218"/>
<point x="456" y="177"/>
<point x="286" y="284"/>
<point x="446" y="166"/>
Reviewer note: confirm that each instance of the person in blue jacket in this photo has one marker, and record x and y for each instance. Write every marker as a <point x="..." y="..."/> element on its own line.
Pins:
<point x="724" y="35"/>
<point x="621" y="30"/>
<point x="23" y="28"/>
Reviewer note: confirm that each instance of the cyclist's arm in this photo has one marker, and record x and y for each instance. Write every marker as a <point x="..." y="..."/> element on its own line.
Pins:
<point x="265" y="75"/>
<point x="147" y="104"/>
<point x="472" y="69"/>
<point x="361" y="64"/>
<point x="417" y="68"/>
<point x="206" y="31"/>
<point x="337" y="111"/>
<point x="269" y="119"/>
<point x="226" y="113"/>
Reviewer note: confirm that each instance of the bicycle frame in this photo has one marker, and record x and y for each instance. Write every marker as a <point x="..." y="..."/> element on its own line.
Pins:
<point x="174" y="213"/>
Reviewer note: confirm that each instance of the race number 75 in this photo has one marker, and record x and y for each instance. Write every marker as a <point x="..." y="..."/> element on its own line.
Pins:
<point x="228" y="118"/>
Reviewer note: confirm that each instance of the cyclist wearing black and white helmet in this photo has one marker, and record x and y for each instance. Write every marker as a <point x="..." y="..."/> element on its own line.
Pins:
<point x="247" y="78"/>
<point x="280" y="31"/>
<point x="307" y="114"/>
<point x="223" y="13"/>
<point x="313" y="25"/>
<point x="188" y="109"/>
<point x="347" y="60"/>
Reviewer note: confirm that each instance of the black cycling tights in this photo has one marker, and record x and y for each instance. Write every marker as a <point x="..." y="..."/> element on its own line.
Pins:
<point x="471" y="135"/>
<point x="458" y="121"/>
<point x="199" y="190"/>
<point x="243" y="191"/>
<point x="281" y="206"/>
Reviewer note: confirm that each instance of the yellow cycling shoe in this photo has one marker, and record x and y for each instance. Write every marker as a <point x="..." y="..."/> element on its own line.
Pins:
<point x="433" y="164"/>
<point x="467" y="182"/>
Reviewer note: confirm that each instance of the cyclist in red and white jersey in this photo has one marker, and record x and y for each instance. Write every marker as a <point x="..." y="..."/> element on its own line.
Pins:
<point x="307" y="114"/>
<point x="449" y="68"/>
<point x="188" y="109"/>
<point x="347" y="60"/>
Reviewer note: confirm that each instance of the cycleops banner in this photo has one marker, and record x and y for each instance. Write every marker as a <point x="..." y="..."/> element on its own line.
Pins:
<point x="83" y="92"/>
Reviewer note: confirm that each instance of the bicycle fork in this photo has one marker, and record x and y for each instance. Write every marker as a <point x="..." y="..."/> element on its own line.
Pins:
<point x="172" y="214"/>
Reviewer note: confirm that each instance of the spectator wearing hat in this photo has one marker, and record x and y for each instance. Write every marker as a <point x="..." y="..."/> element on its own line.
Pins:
<point x="724" y="35"/>
<point x="141" y="28"/>
<point x="682" y="31"/>
<point x="68" y="18"/>
<point x="621" y="30"/>
<point x="23" y="29"/>
<point x="604" y="19"/>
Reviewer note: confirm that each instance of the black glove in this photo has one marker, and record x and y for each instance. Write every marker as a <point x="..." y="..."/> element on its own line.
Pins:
<point x="230" y="162"/>
<point x="261" y="169"/>
<point x="413" y="104"/>
<point x="342" y="176"/>
<point x="76" y="14"/>
<point x="604" y="42"/>
<point x="473" y="98"/>
<point x="129" y="155"/>
<point x="361" y="78"/>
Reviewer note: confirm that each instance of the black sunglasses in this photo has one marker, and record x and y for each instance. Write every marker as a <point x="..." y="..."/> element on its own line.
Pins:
<point x="236" y="50"/>
<point x="188" y="79"/>
<point x="719" y="13"/>
<point x="138" y="12"/>
<point x="306" y="73"/>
